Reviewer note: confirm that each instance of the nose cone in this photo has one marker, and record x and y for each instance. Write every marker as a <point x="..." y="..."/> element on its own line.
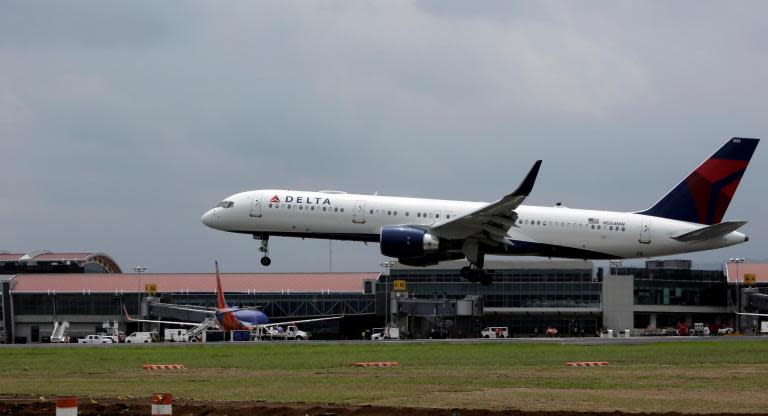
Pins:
<point x="209" y="218"/>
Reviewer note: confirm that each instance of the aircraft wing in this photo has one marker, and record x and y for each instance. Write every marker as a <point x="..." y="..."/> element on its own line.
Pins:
<point x="495" y="218"/>
<point x="128" y="318"/>
<point x="300" y="322"/>
<point x="181" y="308"/>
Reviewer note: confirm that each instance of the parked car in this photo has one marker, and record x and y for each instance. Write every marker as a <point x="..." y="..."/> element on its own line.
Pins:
<point x="96" y="339"/>
<point x="495" y="332"/>
<point x="139" y="338"/>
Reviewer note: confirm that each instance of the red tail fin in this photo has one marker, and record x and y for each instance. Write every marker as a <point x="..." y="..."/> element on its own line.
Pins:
<point x="222" y="304"/>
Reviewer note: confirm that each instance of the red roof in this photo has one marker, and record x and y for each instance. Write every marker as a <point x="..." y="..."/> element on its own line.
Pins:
<point x="736" y="271"/>
<point x="192" y="282"/>
<point x="10" y="257"/>
<point x="62" y="256"/>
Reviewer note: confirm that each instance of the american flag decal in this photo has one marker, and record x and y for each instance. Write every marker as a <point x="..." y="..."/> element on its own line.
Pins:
<point x="593" y="221"/>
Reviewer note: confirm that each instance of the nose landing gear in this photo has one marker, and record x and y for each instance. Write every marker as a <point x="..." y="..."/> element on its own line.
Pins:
<point x="265" y="260"/>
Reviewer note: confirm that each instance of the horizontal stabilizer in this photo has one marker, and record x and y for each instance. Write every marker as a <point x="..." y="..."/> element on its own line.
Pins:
<point x="712" y="231"/>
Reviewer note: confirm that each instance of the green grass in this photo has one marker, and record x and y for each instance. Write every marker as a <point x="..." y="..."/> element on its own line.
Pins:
<point x="685" y="376"/>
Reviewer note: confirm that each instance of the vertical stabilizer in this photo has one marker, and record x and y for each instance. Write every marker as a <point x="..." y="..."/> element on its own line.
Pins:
<point x="221" y="302"/>
<point x="704" y="196"/>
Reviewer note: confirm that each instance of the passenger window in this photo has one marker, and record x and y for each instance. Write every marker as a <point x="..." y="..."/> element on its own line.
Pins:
<point x="598" y="227"/>
<point x="341" y="209"/>
<point x="270" y="205"/>
<point x="301" y="207"/>
<point x="544" y="224"/>
<point x="406" y="213"/>
<point x="335" y="210"/>
<point x="371" y="212"/>
<point x="622" y="228"/>
<point x="538" y="222"/>
<point x="437" y="215"/>
<point x="289" y="206"/>
<point x="323" y="208"/>
<point x="394" y="213"/>
<point x="593" y="226"/>
<point x="313" y="207"/>
<point x="418" y="214"/>
<point x="389" y="212"/>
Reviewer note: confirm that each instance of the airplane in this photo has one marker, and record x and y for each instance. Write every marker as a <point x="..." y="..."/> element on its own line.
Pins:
<point x="423" y="232"/>
<point x="228" y="318"/>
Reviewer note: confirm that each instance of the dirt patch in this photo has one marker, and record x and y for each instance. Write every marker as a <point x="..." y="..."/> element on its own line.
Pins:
<point x="18" y="406"/>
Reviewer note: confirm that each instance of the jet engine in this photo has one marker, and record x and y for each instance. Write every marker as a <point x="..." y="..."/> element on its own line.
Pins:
<point x="406" y="242"/>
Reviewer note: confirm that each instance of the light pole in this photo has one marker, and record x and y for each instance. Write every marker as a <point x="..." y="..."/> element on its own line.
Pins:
<point x="139" y="270"/>
<point x="387" y="265"/>
<point x="737" y="261"/>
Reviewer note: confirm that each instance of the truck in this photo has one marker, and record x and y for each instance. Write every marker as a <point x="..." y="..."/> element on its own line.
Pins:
<point x="175" y="335"/>
<point x="764" y="327"/>
<point x="139" y="338"/>
<point x="96" y="339"/>
<point x="291" y="332"/>
<point x="389" y="332"/>
<point x="495" y="332"/>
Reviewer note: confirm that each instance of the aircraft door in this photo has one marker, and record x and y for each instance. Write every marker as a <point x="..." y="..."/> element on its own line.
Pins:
<point x="645" y="232"/>
<point x="256" y="207"/>
<point x="359" y="217"/>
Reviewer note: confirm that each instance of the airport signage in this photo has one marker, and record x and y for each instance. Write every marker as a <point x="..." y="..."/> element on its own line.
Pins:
<point x="150" y="288"/>
<point x="398" y="285"/>
<point x="750" y="278"/>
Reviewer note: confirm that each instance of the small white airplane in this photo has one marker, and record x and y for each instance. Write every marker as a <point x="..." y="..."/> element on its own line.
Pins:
<point x="423" y="232"/>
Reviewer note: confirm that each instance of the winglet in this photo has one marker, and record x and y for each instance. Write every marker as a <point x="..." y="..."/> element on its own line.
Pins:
<point x="526" y="186"/>
<point x="125" y="314"/>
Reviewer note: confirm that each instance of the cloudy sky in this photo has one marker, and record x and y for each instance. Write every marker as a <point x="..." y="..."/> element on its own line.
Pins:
<point x="122" y="122"/>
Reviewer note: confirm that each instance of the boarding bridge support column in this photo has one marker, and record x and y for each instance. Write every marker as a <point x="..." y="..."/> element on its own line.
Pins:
<point x="618" y="303"/>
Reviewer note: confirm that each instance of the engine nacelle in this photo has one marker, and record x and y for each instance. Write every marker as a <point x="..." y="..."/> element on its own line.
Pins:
<point x="404" y="242"/>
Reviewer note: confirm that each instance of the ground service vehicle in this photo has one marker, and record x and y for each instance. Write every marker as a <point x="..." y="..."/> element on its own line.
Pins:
<point x="390" y="332"/>
<point x="175" y="335"/>
<point x="291" y="332"/>
<point x="495" y="332"/>
<point x="96" y="339"/>
<point x="139" y="338"/>
<point x="764" y="327"/>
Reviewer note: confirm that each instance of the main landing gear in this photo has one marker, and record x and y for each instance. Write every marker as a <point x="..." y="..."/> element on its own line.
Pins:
<point x="265" y="260"/>
<point x="474" y="274"/>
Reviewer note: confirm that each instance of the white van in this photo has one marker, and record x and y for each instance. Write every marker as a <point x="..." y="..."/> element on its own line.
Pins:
<point x="495" y="332"/>
<point x="139" y="338"/>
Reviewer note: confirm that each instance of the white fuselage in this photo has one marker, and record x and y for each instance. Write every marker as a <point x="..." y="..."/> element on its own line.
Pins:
<point x="577" y="233"/>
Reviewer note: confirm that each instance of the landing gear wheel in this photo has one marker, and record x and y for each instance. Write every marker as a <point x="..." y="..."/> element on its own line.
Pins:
<point x="484" y="279"/>
<point x="266" y="261"/>
<point x="466" y="272"/>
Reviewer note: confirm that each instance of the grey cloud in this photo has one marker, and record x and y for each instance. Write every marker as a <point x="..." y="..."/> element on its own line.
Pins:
<point x="128" y="120"/>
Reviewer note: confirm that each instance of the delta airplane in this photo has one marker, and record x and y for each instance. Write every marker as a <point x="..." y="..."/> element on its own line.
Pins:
<point x="422" y="232"/>
<point x="227" y="318"/>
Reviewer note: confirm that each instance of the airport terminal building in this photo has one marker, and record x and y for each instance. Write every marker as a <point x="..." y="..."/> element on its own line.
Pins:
<point x="528" y="297"/>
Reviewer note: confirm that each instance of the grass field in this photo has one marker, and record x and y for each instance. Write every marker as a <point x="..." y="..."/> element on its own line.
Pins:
<point x="686" y="376"/>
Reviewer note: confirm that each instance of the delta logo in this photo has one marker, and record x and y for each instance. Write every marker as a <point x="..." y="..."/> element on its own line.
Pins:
<point x="302" y="200"/>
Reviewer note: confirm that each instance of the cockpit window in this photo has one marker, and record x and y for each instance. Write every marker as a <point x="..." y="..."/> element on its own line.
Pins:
<point x="225" y="204"/>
